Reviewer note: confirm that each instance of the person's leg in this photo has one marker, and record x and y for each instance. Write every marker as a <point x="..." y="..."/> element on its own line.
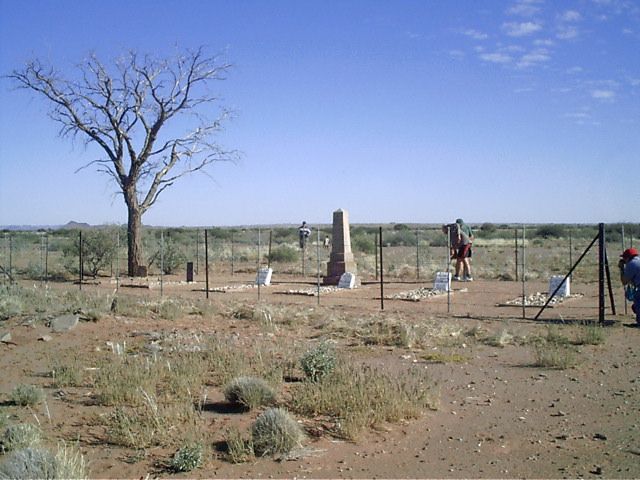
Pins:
<point x="636" y="306"/>
<point x="465" y="262"/>
<point x="459" y="263"/>
<point x="467" y="269"/>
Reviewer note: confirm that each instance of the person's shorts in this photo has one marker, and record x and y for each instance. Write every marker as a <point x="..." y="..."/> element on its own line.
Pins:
<point x="463" y="252"/>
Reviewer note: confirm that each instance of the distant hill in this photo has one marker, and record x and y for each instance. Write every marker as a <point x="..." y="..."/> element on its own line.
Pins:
<point x="72" y="225"/>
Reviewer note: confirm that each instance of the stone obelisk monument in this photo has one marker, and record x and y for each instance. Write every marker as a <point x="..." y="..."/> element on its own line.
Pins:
<point x="341" y="259"/>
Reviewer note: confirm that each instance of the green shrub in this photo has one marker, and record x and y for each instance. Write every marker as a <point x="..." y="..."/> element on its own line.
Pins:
<point x="319" y="361"/>
<point x="592" y="334"/>
<point x="275" y="432"/>
<point x="239" y="449"/>
<point x="283" y="254"/>
<point x="250" y="392"/>
<point x="556" y="356"/>
<point x="20" y="435"/>
<point x="187" y="458"/>
<point x="98" y="251"/>
<point x="358" y="397"/>
<point x="10" y="305"/>
<point x="42" y="463"/>
<point x="550" y="231"/>
<point x="168" y="257"/>
<point x="27" y="395"/>
<point x="68" y="374"/>
<point x="364" y="244"/>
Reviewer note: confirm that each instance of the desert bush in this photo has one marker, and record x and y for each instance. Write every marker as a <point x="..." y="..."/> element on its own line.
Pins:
<point x="42" y="463"/>
<point x="168" y="257"/>
<point x="130" y="306"/>
<point x="554" y="355"/>
<point x="318" y="361"/>
<point x="275" y="432"/>
<point x="67" y="374"/>
<point x="364" y="244"/>
<point x="187" y="458"/>
<point x="168" y="309"/>
<point x="153" y="423"/>
<point x="133" y="428"/>
<point x="550" y="231"/>
<point x="27" y="395"/>
<point x="20" y="435"/>
<point x="11" y="305"/>
<point x="591" y="334"/>
<point x="441" y="357"/>
<point x="357" y="397"/>
<point x="70" y="463"/>
<point x="284" y="254"/>
<point x="184" y="374"/>
<point x="239" y="449"/>
<point x="499" y="339"/>
<point x="488" y="228"/>
<point x="99" y="248"/>
<point x="118" y="380"/>
<point x="250" y="392"/>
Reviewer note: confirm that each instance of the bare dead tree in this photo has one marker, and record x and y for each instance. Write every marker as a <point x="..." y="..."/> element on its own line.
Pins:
<point x="148" y="116"/>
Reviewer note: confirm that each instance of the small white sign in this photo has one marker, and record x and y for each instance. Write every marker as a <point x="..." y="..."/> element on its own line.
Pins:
<point x="564" y="290"/>
<point x="442" y="282"/>
<point x="264" y="276"/>
<point x="347" y="280"/>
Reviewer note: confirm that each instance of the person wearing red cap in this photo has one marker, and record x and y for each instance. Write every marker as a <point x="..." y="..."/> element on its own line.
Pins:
<point x="630" y="276"/>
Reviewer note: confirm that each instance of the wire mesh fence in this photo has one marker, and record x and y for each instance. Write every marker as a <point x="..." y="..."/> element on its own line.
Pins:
<point x="412" y="254"/>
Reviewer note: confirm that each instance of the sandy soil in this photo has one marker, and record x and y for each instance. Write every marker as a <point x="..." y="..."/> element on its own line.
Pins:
<point x="498" y="416"/>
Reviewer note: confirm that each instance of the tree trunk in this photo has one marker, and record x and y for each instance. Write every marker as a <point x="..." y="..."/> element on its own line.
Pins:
<point x="136" y="266"/>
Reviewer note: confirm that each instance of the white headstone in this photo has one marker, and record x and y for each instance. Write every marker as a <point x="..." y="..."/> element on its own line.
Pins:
<point x="347" y="280"/>
<point x="564" y="290"/>
<point x="264" y="276"/>
<point x="442" y="281"/>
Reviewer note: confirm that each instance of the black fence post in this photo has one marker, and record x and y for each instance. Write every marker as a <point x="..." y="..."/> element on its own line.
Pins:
<point x="81" y="263"/>
<point x="601" y="272"/>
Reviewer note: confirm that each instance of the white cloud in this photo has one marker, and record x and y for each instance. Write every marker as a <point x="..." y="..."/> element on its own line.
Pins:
<point x="606" y="95"/>
<point x="577" y="115"/>
<point x="574" y="70"/>
<point x="533" y="58"/>
<point x="475" y="34"/>
<point x="496" y="57"/>
<point x="522" y="29"/>
<point x="544" y="42"/>
<point x="524" y="8"/>
<point x="570" y="16"/>
<point x="457" y="54"/>
<point x="567" y="32"/>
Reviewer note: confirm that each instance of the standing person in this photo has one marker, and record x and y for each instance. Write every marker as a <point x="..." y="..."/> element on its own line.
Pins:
<point x="466" y="231"/>
<point x="459" y="244"/>
<point x="630" y="276"/>
<point x="304" y="232"/>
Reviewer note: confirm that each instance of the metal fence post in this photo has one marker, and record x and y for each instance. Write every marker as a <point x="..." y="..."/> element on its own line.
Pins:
<point x="381" y="274"/>
<point x="601" y="272"/>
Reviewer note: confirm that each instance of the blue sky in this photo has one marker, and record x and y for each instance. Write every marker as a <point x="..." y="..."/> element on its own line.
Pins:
<point x="398" y="111"/>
